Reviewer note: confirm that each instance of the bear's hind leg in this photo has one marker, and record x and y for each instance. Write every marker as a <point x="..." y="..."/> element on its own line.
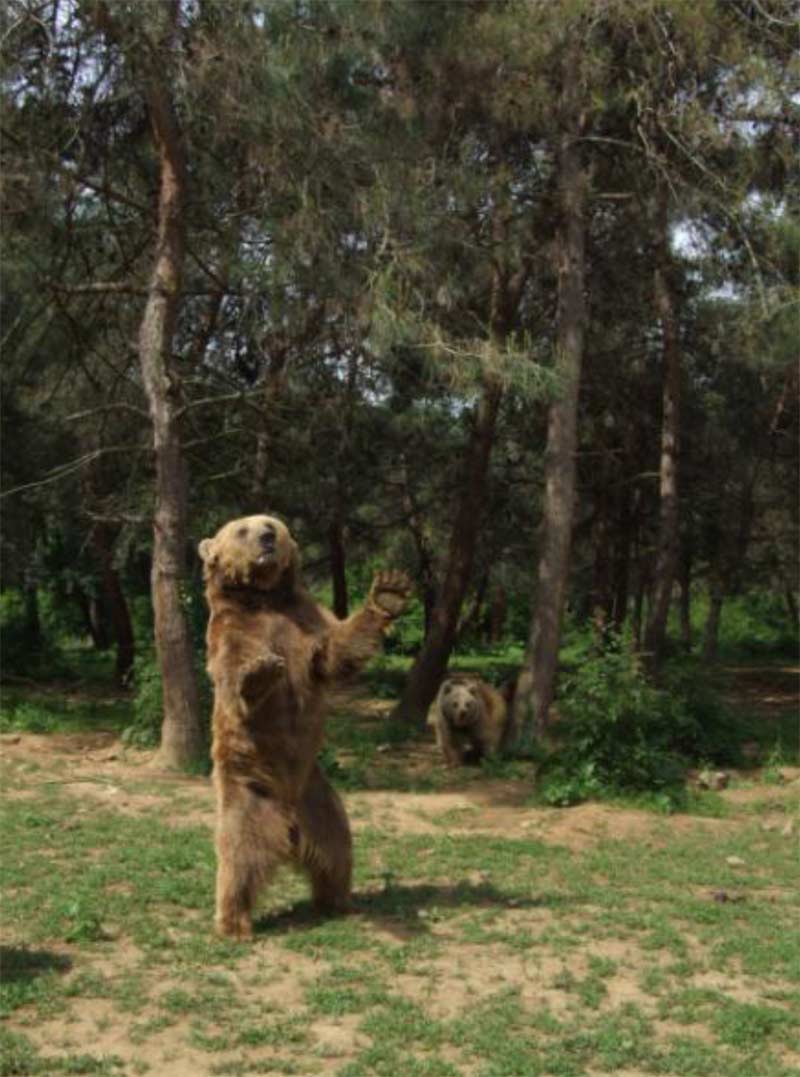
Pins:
<point x="252" y="840"/>
<point x="237" y="885"/>
<point x="325" y="847"/>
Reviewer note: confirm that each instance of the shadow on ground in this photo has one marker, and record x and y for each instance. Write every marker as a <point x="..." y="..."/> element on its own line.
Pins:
<point x="407" y="910"/>
<point x="18" y="964"/>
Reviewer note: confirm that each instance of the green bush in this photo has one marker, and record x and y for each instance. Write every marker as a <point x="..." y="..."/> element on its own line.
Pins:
<point x="616" y="735"/>
<point x="620" y="734"/>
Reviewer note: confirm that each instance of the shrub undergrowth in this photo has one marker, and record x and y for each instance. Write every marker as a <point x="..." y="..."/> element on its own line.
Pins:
<point x="620" y="734"/>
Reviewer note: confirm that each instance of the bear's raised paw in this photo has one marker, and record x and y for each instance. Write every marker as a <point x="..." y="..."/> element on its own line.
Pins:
<point x="390" y="592"/>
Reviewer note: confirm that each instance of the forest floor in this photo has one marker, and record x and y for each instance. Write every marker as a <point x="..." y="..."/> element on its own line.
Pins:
<point x="491" y="936"/>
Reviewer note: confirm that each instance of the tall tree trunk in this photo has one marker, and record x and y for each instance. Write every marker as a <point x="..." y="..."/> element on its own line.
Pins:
<point x="181" y="731"/>
<point x="685" y="600"/>
<point x="472" y="617"/>
<point x="103" y="538"/>
<point x="536" y="684"/>
<point x="791" y="607"/>
<point x="711" y="629"/>
<point x="639" y="601"/>
<point x="623" y="540"/>
<point x="669" y="518"/>
<point x="431" y="662"/>
<point x="33" y="624"/>
<point x="82" y="602"/>
<point x="426" y="573"/>
<point x="600" y="600"/>
<point x="498" y="612"/>
<point x="338" y="565"/>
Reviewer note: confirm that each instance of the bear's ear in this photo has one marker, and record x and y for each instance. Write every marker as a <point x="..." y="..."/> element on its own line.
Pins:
<point x="447" y="688"/>
<point x="204" y="549"/>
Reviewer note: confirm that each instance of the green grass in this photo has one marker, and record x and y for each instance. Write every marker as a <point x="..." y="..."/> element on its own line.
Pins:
<point x="488" y="954"/>
<point x="133" y="896"/>
<point x="33" y="712"/>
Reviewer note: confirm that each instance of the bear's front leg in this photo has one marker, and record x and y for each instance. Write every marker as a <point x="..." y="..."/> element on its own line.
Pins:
<point x="348" y="645"/>
<point x="243" y="681"/>
<point x="258" y="678"/>
<point x="449" y="745"/>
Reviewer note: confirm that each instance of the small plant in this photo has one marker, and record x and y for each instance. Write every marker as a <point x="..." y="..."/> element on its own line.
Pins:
<point x="773" y="764"/>
<point x="84" y="923"/>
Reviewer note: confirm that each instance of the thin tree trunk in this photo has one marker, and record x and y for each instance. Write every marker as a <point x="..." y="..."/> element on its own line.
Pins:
<point x="426" y="573"/>
<point x="103" y="543"/>
<point x="623" y="540"/>
<point x="711" y="630"/>
<point x="33" y="625"/>
<point x="93" y="616"/>
<point x="338" y="564"/>
<point x="637" y="619"/>
<point x="669" y="518"/>
<point x="685" y="601"/>
<point x="181" y="731"/>
<point x="498" y="612"/>
<point x="600" y="599"/>
<point x="431" y="662"/>
<point x="536" y="684"/>
<point x="82" y="602"/>
<point x="791" y="607"/>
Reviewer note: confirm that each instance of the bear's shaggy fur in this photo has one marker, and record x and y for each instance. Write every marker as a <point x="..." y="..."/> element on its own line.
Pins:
<point x="471" y="719"/>
<point x="272" y="652"/>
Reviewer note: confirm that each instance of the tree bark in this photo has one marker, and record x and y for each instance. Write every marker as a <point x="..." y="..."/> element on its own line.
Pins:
<point x="623" y="540"/>
<point x="669" y="512"/>
<point x="536" y="683"/>
<point x="600" y="599"/>
<point x="181" y="732"/>
<point x="791" y="607"/>
<point x="338" y="564"/>
<point x="498" y="613"/>
<point x="685" y="600"/>
<point x="33" y="625"/>
<point x="426" y="574"/>
<point x="103" y="540"/>
<point x="93" y="616"/>
<point x="431" y="662"/>
<point x="711" y="629"/>
<point x="639" y="602"/>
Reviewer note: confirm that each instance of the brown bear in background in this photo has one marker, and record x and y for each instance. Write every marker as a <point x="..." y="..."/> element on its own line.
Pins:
<point x="272" y="652"/>
<point x="471" y="719"/>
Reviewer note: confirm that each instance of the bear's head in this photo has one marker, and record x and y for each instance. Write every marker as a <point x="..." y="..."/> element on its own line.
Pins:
<point x="460" y="703"/>
<point x="254" y="551"/>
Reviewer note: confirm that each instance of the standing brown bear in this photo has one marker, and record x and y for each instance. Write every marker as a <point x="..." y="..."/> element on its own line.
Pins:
<point x="272" y="652"/>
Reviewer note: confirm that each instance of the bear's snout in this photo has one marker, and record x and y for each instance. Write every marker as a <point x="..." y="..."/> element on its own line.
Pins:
<point x="267" y="538"/>
<point x="463" y="714"/>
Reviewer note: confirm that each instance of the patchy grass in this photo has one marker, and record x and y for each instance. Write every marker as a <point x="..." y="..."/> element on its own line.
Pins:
<point x="491" y="936"/>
